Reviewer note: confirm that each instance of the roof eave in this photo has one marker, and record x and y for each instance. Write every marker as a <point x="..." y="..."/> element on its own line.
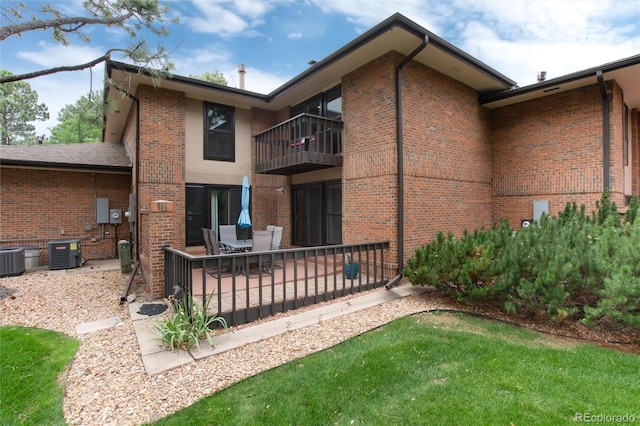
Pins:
<point x="396" y="20"/>
<point x="30" y="164"/>
<point x="549" y="84"/>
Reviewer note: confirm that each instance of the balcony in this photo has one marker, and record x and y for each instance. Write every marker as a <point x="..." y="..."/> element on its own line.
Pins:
<point x="301" y="144"/>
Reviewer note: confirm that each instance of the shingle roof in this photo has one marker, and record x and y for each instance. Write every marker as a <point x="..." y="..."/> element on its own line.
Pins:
<point x="103" y="156"/>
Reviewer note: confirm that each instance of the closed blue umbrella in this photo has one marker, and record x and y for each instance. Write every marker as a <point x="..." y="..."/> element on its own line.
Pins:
<point x="244" y="220"/>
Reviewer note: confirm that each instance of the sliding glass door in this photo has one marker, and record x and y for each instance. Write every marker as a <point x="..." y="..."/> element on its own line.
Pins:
<point x="317" y="214"/>
<point x="209" y="206"/>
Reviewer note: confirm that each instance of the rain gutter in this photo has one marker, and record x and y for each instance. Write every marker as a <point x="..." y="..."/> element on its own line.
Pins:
<point x="605" y="130"/>
<point x="400" y="159"/>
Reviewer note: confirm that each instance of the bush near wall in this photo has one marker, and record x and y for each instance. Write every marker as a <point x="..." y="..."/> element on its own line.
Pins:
<point x="575" y="265"/>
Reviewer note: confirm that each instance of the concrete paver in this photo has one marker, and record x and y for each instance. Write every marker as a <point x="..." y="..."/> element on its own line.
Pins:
<point x="157" y="359"/>
<point x="89" y="327"/>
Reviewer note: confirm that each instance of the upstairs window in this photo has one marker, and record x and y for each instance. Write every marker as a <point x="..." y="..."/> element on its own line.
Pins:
<point x="219" y="132"/>
<point x="326" y="104"/>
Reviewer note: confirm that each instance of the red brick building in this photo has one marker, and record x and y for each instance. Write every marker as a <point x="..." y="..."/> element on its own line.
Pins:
<point x="396" y="136"/>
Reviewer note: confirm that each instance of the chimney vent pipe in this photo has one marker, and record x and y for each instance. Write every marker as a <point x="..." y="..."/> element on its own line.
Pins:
<point x="542" y="76"/>
<point x="242" y="71"/>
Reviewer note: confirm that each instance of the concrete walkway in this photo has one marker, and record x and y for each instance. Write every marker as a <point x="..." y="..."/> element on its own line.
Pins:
<point x="156" y="358"/>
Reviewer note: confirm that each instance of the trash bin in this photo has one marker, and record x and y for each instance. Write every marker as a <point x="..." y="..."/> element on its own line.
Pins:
<point x="31" y="257"/>
<point x="124" y="253"/>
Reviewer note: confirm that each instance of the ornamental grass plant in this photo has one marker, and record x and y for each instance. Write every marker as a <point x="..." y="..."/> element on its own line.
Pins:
<point x="187" y="325"/>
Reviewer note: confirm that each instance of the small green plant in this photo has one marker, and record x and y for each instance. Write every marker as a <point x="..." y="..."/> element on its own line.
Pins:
<point x="188" y="324"/>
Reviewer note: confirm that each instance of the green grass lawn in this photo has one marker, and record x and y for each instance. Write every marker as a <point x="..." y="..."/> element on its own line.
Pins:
<point x="433" y="369"/>
<point x="31" y="361"/>
<point x="423" y="369"/>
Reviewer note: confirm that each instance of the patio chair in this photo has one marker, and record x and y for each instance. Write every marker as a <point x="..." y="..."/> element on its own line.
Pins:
<point x="276" y="239"/>
<point x="261" y="243"/>
<point x="228" y="233"/>
<point x="208" y="245"/>
<point x="215" y="248"/>
<point x="211" y="247"/>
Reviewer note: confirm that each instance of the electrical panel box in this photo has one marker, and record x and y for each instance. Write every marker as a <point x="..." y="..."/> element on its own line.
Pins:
<point x="115" y="216"/>
<point x="540" y="207"/>
<point x="102" y="210"/>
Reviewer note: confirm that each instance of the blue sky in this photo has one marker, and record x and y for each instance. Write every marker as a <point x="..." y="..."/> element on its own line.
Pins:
<point x="276" y="39"/>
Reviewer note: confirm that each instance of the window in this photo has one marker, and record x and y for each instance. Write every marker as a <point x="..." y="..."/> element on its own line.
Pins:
<point x="333" y="103"/>
<point x="327" y="104"/>
<point x="219" y="132"/>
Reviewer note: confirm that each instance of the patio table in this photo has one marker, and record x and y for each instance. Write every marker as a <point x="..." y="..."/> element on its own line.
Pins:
<point x="240" y="245"/>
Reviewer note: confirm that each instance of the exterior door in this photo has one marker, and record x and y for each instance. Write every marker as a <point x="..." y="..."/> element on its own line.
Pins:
<point x="317" y="214"/>
<point x="208" y="206"/>
<point x="333" y="201"/>
<point x="196" y="209"/>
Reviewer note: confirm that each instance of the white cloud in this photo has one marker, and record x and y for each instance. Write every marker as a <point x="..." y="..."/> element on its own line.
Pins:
<point x="366" y="13"/>
<point x="258" y="81"/>
<point x="557" y="37"/>
<point x="252" y="8"/>
<point x="62" y="88"/>
<point x="515" y="37"/>
<point x="215" y="20"/>
<point x="54" y="55"/>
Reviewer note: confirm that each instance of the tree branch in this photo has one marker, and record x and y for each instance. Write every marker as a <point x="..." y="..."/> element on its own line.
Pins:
<point x="53" y="23"/>
<point x="19" y="77"/>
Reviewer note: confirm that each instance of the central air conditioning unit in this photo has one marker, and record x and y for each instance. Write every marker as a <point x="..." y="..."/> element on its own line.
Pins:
<point x="64" y="254"/>
<point x="11" y="261"/>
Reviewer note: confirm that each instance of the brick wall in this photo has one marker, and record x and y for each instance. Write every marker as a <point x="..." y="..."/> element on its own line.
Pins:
<point x="162" y="178"/>
<point x="38" y="204"/>
<point x="447" y="156"/>
<point x="551" y="149"/>
<point x="369" y="183"/>
<point x="268" y="206"/>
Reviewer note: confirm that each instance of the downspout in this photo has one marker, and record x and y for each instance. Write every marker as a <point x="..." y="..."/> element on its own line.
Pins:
<point x="400" y="159"/>
<point x="125" y="291"/>
<point x="605" y="131"/>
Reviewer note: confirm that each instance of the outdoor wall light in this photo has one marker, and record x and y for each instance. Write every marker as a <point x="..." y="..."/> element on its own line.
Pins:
<point x="280" y="190"/>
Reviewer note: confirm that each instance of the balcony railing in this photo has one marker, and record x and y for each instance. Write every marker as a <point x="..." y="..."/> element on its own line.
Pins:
<point x="300" y="277"/>
<point x="301" y="144"/>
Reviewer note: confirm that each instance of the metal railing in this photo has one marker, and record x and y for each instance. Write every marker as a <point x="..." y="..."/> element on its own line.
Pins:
<point x="302" y="143"/>
<point x="238" y="289"/>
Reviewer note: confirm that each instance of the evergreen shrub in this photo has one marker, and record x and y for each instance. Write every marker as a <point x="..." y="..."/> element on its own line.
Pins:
<point x="586" y="267"/>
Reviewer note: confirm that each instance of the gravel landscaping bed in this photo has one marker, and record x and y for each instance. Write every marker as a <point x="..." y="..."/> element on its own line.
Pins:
<point x="107" y="383"/>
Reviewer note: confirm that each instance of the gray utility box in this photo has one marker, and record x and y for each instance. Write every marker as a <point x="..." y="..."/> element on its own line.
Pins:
<point x="64" y="254"/>
<point x="11" y="261"/>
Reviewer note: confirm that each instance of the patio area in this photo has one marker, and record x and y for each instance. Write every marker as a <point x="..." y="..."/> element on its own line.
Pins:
<point x="293" y="283"/>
